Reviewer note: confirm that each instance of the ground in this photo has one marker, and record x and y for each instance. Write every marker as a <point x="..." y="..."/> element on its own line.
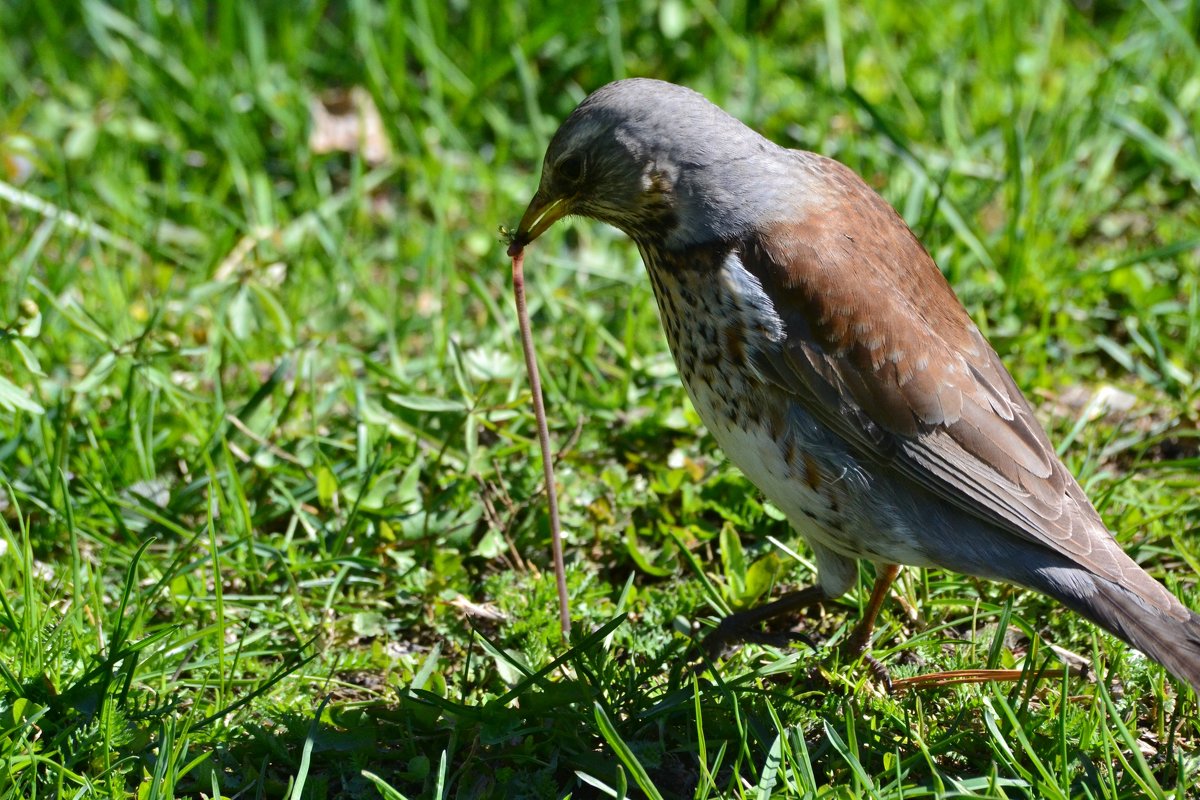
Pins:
<point x="271" y="518"/>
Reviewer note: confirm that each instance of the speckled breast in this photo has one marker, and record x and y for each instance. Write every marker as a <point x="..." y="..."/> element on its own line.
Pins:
<point x="719" y="324"/>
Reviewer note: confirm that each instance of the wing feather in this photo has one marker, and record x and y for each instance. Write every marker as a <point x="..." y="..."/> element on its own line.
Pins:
<point x="880" y="349"/>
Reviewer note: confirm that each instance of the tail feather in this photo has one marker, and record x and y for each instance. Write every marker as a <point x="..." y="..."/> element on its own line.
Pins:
<point x="1169" y="636"/>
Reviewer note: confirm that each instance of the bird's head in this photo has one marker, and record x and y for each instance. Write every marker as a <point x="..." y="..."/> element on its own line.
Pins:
<point x="643" y="155"/>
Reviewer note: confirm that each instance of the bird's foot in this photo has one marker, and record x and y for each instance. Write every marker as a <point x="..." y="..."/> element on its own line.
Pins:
<point x="732" y="632"/>
<point x="725" y="638"/>
<point x="878" y="671"/>
<point x="859" y="645"/>
<point x="742" y="627"/>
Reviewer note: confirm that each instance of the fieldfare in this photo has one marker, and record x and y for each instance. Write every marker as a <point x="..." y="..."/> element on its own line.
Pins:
<point x="835" y="366"/>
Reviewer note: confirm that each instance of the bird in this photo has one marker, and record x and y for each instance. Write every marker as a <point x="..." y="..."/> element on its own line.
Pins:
<point x="831" y="360"/>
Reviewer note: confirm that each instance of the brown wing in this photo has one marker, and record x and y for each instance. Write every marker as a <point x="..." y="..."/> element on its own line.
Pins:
<point x="879" y="347"/>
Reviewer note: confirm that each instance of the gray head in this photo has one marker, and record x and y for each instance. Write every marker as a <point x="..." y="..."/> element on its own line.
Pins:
<point x="656" y="160"/>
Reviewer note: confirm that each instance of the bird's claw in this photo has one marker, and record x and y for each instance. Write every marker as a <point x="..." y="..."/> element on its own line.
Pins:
<point x="731" y="632"/>
<point x="719" y="642"/>
<point x="878" y="671"/>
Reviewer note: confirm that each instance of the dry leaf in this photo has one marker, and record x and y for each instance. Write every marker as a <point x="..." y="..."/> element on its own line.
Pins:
<point x="348" y="122"/>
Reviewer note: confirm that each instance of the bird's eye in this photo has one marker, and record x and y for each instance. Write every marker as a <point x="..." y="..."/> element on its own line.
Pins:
<point x="570" y="168"/>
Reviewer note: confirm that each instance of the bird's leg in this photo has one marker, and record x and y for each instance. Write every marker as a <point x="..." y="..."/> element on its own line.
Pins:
<point x="857" y="644"/>
<point x="741" y="627"/>
<point x="861" y="637"/>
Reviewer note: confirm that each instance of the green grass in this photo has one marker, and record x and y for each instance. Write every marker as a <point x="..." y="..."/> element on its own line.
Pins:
<point x="269" y="491"/>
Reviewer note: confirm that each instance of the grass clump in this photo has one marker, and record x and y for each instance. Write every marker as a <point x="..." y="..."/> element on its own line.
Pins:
<point x="270" y="512"/>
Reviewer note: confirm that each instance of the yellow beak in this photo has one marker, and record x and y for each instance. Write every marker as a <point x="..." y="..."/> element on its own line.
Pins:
<point x="540" y="215"/>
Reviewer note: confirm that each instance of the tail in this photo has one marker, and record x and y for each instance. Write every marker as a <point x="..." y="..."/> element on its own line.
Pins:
<point x="1170" y="635"/>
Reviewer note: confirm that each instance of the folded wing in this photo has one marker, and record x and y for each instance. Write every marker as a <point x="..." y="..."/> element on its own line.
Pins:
<point x="889" y="359"/>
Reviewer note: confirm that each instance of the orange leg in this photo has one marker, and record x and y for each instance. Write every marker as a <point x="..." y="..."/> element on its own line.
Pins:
<point x="861" y="638"/>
